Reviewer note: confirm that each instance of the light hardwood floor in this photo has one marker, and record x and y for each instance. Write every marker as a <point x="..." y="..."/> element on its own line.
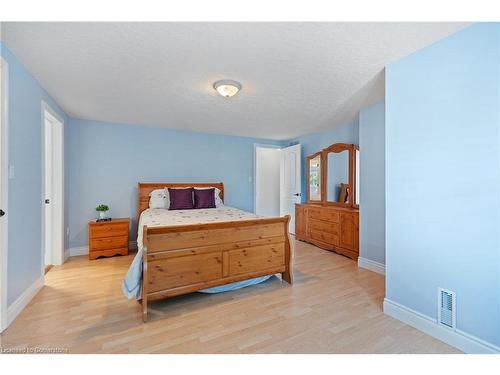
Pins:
<point x="333" y="307"/>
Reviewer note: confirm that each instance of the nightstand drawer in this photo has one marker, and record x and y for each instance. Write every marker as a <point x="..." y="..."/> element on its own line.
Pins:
<point x="109" y="230"/>
<point x="108" y="243"/>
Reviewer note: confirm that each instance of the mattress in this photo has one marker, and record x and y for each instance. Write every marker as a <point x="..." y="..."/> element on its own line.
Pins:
<point x="157" y="217"/>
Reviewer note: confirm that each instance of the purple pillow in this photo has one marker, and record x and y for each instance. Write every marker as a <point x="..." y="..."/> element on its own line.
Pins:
<point x="204" y="198"/>
<point x="181" y="199"/>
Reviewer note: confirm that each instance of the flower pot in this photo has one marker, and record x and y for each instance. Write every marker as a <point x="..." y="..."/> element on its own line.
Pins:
<point x="102" y="214"/>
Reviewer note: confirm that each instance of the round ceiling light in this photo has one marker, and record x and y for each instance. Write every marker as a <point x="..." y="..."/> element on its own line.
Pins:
<point x="227" y="88"/>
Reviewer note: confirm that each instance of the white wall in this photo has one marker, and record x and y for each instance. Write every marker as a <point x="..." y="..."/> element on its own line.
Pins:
<point x="267" y="181"/>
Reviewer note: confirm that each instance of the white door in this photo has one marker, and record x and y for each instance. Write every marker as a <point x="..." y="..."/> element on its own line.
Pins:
<point x="290" y="182"/>
<point x="48" y="191"/>
<point x="3" y="192"/>
<point x="53" y="189"/>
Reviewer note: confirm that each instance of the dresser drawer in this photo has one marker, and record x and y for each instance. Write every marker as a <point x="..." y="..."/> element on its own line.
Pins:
<point x="324" y="226"/>
<point x="323" y="214"/>
<point x="109" y="230"/>
<point x="108" y="243"/>
<point x="324" y="237"/>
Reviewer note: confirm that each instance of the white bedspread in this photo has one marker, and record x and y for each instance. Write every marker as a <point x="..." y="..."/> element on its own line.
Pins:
<point x="158" y="217"/>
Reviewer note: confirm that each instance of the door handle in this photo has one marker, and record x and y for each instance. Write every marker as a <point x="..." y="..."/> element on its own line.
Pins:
<point x="47" y="201"/>
<point x="297" y="194"/>
<point x="2" y="212"/>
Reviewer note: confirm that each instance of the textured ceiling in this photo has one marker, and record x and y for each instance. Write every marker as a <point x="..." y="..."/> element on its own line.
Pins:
<point x="298" y="78"/>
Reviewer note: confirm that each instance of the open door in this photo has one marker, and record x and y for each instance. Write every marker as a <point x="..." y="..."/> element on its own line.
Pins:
<point x="3" y="193"/>
<point x="53" y="188"/>
<point x="290" y="182"/>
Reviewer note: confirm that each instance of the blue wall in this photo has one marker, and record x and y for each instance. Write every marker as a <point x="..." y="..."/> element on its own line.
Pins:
<point x="347" y="133"/>
<point x="106" y="161"/>
<point x="442" y="160"/>
<point x="372" y="183"/>
<point x="367" y="132"/>
<point x="25" y="190"/>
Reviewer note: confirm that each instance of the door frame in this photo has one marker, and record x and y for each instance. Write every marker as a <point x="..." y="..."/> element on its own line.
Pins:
<point x="57" y="255"/>
<point x="255" y="147"/>
<point x="4" y="189"/>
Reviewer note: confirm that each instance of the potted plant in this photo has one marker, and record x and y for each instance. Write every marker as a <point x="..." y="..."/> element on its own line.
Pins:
<point x="102" y="209"/>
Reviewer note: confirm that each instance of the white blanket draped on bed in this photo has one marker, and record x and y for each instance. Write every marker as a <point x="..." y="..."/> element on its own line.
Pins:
<point x="131" y="285"/>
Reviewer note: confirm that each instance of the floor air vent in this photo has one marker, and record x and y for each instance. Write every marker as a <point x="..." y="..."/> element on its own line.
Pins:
<point x="446" y="308"/>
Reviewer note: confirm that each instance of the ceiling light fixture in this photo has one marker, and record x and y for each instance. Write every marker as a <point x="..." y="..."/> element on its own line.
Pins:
<point x="227" y="88"/>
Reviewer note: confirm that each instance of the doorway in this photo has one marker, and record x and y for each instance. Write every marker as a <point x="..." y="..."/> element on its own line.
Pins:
<point x="277" y="181"/>
<point x="267" y="181"/>
<point x="3" y="191"/>
<point x="53" y="188"/>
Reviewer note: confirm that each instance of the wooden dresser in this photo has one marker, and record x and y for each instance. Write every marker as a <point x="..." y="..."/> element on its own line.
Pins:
<point x="329" y="227"/>
<point x="330" y="217"/>
<point x="108" y="238"/>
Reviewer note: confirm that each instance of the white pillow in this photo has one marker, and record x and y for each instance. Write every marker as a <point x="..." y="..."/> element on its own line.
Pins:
<point x="218" y="201"/>
<point x="158" y="199"/>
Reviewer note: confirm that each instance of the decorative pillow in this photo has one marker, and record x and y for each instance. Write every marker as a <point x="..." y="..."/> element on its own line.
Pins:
<point x="181" y="199"/>
<point x="204" y="198"/>
<point x="159" y="199"/>
<point x="218" y="200"/>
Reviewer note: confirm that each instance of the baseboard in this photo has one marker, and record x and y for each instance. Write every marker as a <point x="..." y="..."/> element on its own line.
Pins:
<point x="78" y="251"/>
<point x="84" y="250"/>
<point x="456" y="338"/>
<point x="371" y="265"/>
<point x="22" y="301"/>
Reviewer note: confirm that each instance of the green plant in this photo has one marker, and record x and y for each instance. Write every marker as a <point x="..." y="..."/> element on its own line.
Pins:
<point x="102" y="207"/>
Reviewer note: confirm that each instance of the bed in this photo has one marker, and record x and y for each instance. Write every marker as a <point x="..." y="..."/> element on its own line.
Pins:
<point x="184" y="252"/>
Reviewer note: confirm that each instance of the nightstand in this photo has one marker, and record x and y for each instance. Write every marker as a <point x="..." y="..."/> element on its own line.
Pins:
<point x="108" y="238"/>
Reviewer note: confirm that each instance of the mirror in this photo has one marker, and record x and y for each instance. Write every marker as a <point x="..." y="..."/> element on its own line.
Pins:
<point x="332" y="176"/>
<point x="314" y="165"/>
<point x="337" y="187"/>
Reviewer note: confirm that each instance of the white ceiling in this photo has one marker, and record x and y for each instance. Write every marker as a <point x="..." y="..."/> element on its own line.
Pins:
<point x="298" y="78"/>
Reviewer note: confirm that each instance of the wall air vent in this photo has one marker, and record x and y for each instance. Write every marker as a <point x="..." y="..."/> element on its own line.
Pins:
<point x="446" y="308"/>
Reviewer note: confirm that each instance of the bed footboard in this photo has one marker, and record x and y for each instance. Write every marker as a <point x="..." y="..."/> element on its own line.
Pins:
<point x="186" y="258"/>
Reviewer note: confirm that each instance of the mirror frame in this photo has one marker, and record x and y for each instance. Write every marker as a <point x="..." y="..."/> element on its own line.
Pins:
<point x="355" y="176"/>
<point x="336" y="148"/>
<point x="308" y="171"/>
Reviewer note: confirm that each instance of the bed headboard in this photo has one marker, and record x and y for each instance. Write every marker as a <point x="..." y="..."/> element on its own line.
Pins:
<point x="143" y="190"/>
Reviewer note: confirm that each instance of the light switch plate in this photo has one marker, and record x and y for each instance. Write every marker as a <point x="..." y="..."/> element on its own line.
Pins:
<point x="12" y="172"/>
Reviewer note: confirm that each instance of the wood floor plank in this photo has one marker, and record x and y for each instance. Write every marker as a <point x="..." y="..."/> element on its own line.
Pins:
<point x="333" y="307"/>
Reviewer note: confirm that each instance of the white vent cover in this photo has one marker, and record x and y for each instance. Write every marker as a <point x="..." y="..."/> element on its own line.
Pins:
<point x="446" y="308"/>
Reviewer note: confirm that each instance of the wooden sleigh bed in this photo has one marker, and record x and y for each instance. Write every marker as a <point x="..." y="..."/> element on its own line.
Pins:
<point x="181" y="259"/>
